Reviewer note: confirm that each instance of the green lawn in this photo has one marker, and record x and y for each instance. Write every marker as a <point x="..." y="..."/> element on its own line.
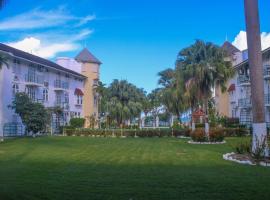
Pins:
<point x="109" y="168"/>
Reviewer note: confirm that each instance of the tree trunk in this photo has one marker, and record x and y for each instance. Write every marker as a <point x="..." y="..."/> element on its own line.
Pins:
<point x="193" y="127"/>
<point x="256" y="74"/>
<point x="206" y="123"/>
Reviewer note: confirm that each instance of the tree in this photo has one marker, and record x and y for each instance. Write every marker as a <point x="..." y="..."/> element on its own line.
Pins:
<point x="204" y="68"/>
<point x="123" y="101"/>
<point x="256" y="74"/>
<point x="154" y="99"/>
<point x="172" y="91"/>
<point x="34" y="115"/>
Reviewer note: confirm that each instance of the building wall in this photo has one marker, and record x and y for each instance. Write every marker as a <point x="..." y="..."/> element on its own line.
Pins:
<point x="18" y="74"/>
<point x="90" y="105"/>
<point x="222" y="101"/>
<point x="242" y="94"/>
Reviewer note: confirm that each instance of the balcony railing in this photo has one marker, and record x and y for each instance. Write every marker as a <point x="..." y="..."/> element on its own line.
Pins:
<point x="34" y="79"/>
<point x="244" y="103"/>
<point x="243" y="79"/>
<point x="63" y="105"/>
<point x="267" y="99"/>
<point x="58" y="84"/>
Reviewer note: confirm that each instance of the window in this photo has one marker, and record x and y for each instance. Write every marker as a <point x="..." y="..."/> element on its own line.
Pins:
<point x="15" y="88"/>
<point x="66" y="98"/>
<point x="79" y="99"/>
<point x="45" y="95"/>
<point x="31" y="93"/>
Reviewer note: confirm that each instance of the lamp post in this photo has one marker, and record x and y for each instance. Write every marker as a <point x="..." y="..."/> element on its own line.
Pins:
<point x="256" y="73"/>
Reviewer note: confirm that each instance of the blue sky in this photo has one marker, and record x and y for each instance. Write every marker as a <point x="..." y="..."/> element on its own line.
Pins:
<point x="135" y="39"/>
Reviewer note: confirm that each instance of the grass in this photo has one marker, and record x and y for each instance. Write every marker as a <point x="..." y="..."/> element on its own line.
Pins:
<point x="108" y="168"/>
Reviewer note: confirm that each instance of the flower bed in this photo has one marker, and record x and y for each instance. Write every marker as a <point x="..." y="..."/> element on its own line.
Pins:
<point x="216" y="136"/>
<point x="245" y="159"/>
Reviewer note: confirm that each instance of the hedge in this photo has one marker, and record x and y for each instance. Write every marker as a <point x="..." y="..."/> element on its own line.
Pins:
<point x="228" y="132"/>
<point x="127" y="132"/>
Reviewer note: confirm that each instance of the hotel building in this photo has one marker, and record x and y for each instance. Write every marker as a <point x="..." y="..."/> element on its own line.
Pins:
<point x="69" y="84"/>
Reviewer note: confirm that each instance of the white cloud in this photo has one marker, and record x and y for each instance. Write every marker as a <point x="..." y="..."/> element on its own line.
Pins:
<point x="35" y="46"/>
<point x="37" y="18"/>
<point x="240" y="40"/>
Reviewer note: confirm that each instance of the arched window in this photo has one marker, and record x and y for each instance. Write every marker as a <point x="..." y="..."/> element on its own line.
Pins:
<point x="45" y="95"/>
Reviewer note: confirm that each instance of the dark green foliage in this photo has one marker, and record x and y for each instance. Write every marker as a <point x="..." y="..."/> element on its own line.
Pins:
<point x="33" y="115"/>
<point x="243" y="147"/>
<point x="77" y="122"/>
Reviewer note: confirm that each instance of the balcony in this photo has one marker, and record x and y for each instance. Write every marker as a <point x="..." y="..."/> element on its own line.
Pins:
<point x="63" y="105"/>
<point x="34" y="80"/>
<point x="244" y="103"/>
<point x="243" y="80"/>
<point x="267" y="100"/>
<point x="61" y="85"/>
<point x="266" y="72"/>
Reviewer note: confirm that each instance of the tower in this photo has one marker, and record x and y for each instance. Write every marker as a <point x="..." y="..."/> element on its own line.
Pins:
<point x="90" y="68"/>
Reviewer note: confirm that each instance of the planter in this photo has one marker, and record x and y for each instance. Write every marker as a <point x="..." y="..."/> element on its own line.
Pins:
<point x="244" y="159"/>
<point x="193" y="142"/>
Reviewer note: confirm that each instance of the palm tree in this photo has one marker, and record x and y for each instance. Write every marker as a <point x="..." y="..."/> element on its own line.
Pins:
<point x="172" y="91"/>
<point x="124" y="101"/>
<point x="205" y="67"/>
<point x="256" y="74"/>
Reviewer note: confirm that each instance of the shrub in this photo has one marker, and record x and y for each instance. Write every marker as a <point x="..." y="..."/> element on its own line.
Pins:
<point x="239" y="132"/>
<point x="243" y="148"/>
<point x="77" y="122"/>
<point x="216" y="135"/>
<point x="198" y="135"/>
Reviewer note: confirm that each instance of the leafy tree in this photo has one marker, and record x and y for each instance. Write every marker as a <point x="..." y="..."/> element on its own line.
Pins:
<point x="172" y="91"/>
<point x="155" y="103"/>
<point x="33" y="115"/>
<point x="77" y="122"/>
<point x="123" y="101"/>
<point x="205" y="67"/>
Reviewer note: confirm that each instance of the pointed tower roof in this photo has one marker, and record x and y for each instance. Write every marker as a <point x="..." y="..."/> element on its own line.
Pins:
<point x="86" y="56"/>
<point x="230" y="48"/>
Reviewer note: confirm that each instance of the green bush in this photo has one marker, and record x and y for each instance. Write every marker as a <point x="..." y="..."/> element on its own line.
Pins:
<point x="243" y="148"/>
<point x="77" y="122"/>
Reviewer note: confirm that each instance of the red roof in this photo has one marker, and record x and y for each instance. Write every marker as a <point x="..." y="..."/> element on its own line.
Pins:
<point x="78" y="92"/>
<point x="231" y="88"/>
<point x="198" y="113"/>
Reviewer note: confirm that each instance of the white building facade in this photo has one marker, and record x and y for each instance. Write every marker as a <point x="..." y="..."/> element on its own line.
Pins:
<point x="46" y="82"/>
<point x="239" y="91"/>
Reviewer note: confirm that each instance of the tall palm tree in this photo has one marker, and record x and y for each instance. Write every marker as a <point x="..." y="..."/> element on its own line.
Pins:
<point x="205" y="67"/>
<point x="256" y="73"/>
